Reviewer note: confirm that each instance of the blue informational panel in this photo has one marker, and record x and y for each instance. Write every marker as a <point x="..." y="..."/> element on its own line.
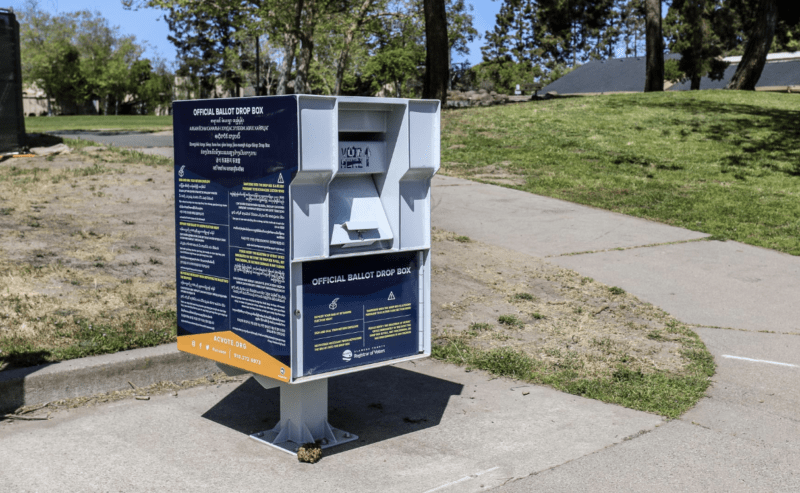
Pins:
<point x="360" y="310"/>
<point x="234" y="160"/>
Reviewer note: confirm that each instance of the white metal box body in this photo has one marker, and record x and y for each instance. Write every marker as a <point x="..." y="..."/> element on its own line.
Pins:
<point x="303" y="232"/>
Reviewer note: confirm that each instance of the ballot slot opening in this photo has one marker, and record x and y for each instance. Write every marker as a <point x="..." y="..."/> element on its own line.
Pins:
<point x="357" y="218"/>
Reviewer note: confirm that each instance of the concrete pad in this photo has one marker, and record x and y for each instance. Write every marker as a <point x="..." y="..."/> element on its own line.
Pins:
<point x="537" y="225"/>
<point x="723" y="284"/>
<point x="679" y="456"/>
<point x="423" y="427"/>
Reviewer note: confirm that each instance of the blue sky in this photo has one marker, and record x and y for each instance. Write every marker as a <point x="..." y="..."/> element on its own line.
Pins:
<point x="147" y="25"/>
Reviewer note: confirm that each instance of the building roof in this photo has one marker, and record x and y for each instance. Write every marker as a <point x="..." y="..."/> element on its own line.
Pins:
<point x="628" y="75"/>
<point x="775" y="74"/>
<point x="599" y="76"/>
<point x="772" y="57"/>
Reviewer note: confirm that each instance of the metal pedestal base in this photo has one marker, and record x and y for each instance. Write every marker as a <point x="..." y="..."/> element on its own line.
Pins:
<point x="304" y="418"/>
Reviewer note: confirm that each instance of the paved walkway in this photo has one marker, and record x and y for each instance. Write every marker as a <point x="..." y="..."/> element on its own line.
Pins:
<point x="120" y="138"/>
<point x="433" y="427"/>
<point x="156" y="143"/>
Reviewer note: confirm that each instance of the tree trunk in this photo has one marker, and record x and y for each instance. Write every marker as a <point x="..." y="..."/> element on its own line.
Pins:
<point x="303" y="65"/>
<point x="437" y="57"/>
<point x="757" y="48"/>
<point x="290" y="45"/>
<point x="341" y="63"/>
<point x="695" y="83"/>
<point x="309" y="22"/>
<point x="654" y="78"/>
<point x="344" y="56"/>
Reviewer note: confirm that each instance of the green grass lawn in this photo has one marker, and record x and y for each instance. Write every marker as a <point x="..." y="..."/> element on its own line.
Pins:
<point x="140" y="123"/>
<point x="726" y="163"/>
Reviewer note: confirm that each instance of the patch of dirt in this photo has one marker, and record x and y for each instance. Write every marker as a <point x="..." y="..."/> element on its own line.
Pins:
<point x="551" y="314"/>
<point x="82" y="238"/>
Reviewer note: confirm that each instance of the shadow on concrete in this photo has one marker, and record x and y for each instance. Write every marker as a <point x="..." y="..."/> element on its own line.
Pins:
<point x="376" y="405"/>
<point x="23" y="356"/>
<point x="12" y="387"/>
<point x="79" y="133"/>
<point x="42" y="140"/>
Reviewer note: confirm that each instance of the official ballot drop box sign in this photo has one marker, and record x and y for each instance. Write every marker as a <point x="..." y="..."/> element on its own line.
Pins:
<point x="303" y="232"/>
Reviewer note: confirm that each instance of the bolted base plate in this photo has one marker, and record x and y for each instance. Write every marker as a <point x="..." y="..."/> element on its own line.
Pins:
<point x="268" y="437"/>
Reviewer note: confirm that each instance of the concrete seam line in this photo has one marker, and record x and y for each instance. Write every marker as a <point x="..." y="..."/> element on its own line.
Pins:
<point x="759" y="361"/>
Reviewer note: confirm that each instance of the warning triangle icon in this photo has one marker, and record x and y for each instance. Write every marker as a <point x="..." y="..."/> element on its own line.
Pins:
<point x="391" y="295"/>
<point x="280" y="178"/>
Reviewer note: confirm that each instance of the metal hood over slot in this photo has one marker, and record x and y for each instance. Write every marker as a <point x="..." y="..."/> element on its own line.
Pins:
<point x="357" y="215"/>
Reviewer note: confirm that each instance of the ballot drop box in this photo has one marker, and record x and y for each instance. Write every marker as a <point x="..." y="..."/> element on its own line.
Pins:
<point x="302" y="229"/>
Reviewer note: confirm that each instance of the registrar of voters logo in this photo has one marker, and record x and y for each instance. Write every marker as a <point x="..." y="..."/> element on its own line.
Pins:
<point x="347" y="355"/>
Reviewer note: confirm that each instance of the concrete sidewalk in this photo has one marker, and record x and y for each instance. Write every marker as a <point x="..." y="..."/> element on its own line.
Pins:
<point x="154" y="143"/>
<point x="127" y="138"/>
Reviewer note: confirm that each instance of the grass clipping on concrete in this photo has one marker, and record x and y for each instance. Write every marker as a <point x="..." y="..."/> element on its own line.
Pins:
<point x="86" y="255"/>
<point x="521" y="317"/>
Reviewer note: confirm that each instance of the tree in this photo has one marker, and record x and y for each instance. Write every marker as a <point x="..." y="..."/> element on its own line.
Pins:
<point x="513" y="37"/>
<point x="330" y="46"/>
<point x="203" y="32"/>
<point x="757" y="47"/>
<point x="396" y="50"/>
<point x="76" y="57"/>
<point x="353" y="23"/>
<point x="534" y="38"/>
<point x="570" y="31"/>
<point x="654" y="75"/>
<point x="631" y="18"/>
<point x="460" y="31"/>
<point x="512" y="51"/>
<point x="437" y="58"/>
<point x="67" y="83"/>
<point x="150" y="84"/>
<point x="44" y="40"/>
<point x="692" y="28"/>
